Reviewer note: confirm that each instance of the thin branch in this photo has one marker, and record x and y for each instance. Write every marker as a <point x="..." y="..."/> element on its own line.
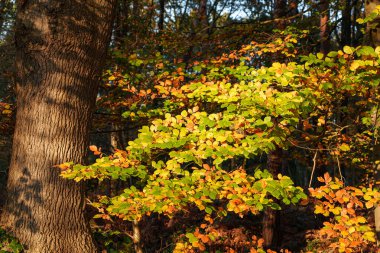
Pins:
<point x="312" y="149"/>
<point x="339" y="169"/>
<point x="115" y="131"/>
<point x="314" y="166"/>
<point x="109" y="114"/>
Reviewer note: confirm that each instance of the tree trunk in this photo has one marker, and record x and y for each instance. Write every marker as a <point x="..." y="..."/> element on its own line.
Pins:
<point x="270" y="219"/>
<point x="373" y="33"/>
<point x="60" y="48"/>
<point x="202" y="14"/>
<point x="121" y="22"/>
<point x="161" y="16"/>
<point x="346" y="24"/>
<point x="280" y="10"/>
<point x="274" y="161"/>
<point x="200" y="23"/>
<point x="377" y="179"/>
<point x="324" y="27"/>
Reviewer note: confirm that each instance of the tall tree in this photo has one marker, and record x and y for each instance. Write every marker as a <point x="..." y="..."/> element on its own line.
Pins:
<point x="274" y="161"/>
<point x="324" y="26"/>
<point x="346" y="23"/>
<point x="161" y="16"/>
<point x="121" y="21"/>
<point x="60" y="47"/>
<point x="280" y="11"/>
<point x="373" y="33"/>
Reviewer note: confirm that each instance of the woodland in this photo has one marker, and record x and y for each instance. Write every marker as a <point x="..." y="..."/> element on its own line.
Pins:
<point x="189" y="126"/>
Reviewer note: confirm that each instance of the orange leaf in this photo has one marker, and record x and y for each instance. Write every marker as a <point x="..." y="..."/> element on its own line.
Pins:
<point x="205" y="238"/>
<point x="93" y="148"/>
<point x="327" y="178"/>
<point x="260" y="242"/>
<point x="206" y="166"/>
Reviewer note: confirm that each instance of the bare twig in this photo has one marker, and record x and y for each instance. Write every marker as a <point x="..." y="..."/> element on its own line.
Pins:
<point x="313" y="149"/>
<point x="339" y="169"/>
<point x="314" y="166"/>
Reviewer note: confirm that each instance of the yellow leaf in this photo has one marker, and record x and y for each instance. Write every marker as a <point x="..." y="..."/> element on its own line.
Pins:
<point x="369" y="205"/>
<point x="354" y="66"/>
<point x="369" y="236"/>
<point x="7" y="112"/>
<point x="344" y="147"/>
<point x="64" y="166"/>
<point x="321" y="121"/>
<point x="184" y="114"/>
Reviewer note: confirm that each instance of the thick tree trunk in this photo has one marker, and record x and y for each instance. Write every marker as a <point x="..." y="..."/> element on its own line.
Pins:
<point x="373" y="34"/>
<point x="60" y="49"/>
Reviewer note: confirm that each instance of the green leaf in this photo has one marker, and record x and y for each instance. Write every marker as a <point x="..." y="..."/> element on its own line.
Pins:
<point x="192" y="238"/>
<point x="348" y="50"/>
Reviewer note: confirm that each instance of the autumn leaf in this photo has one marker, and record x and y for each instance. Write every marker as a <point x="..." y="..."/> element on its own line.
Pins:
<point x="94" y="149"/>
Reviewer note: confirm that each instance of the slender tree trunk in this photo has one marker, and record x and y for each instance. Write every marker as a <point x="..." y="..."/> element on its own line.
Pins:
<point x="346" y="24"/>
<point x="137" y="237"/>
<point x="274" y="162"/>
<point x="199" y="24"/>
<point x="280" y="10"/>
<point x="161" y="16"/>
<point x="202" y="14"/>
<point x="60" y="48"/>
<point x="270" y="219"/>
<point x="324" y="29"/>
<point x="121" y="22"/>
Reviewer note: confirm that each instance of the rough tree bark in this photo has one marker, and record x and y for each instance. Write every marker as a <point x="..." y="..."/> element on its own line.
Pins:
<point x="373" y="33"/>
<point x="60" y="47"/>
